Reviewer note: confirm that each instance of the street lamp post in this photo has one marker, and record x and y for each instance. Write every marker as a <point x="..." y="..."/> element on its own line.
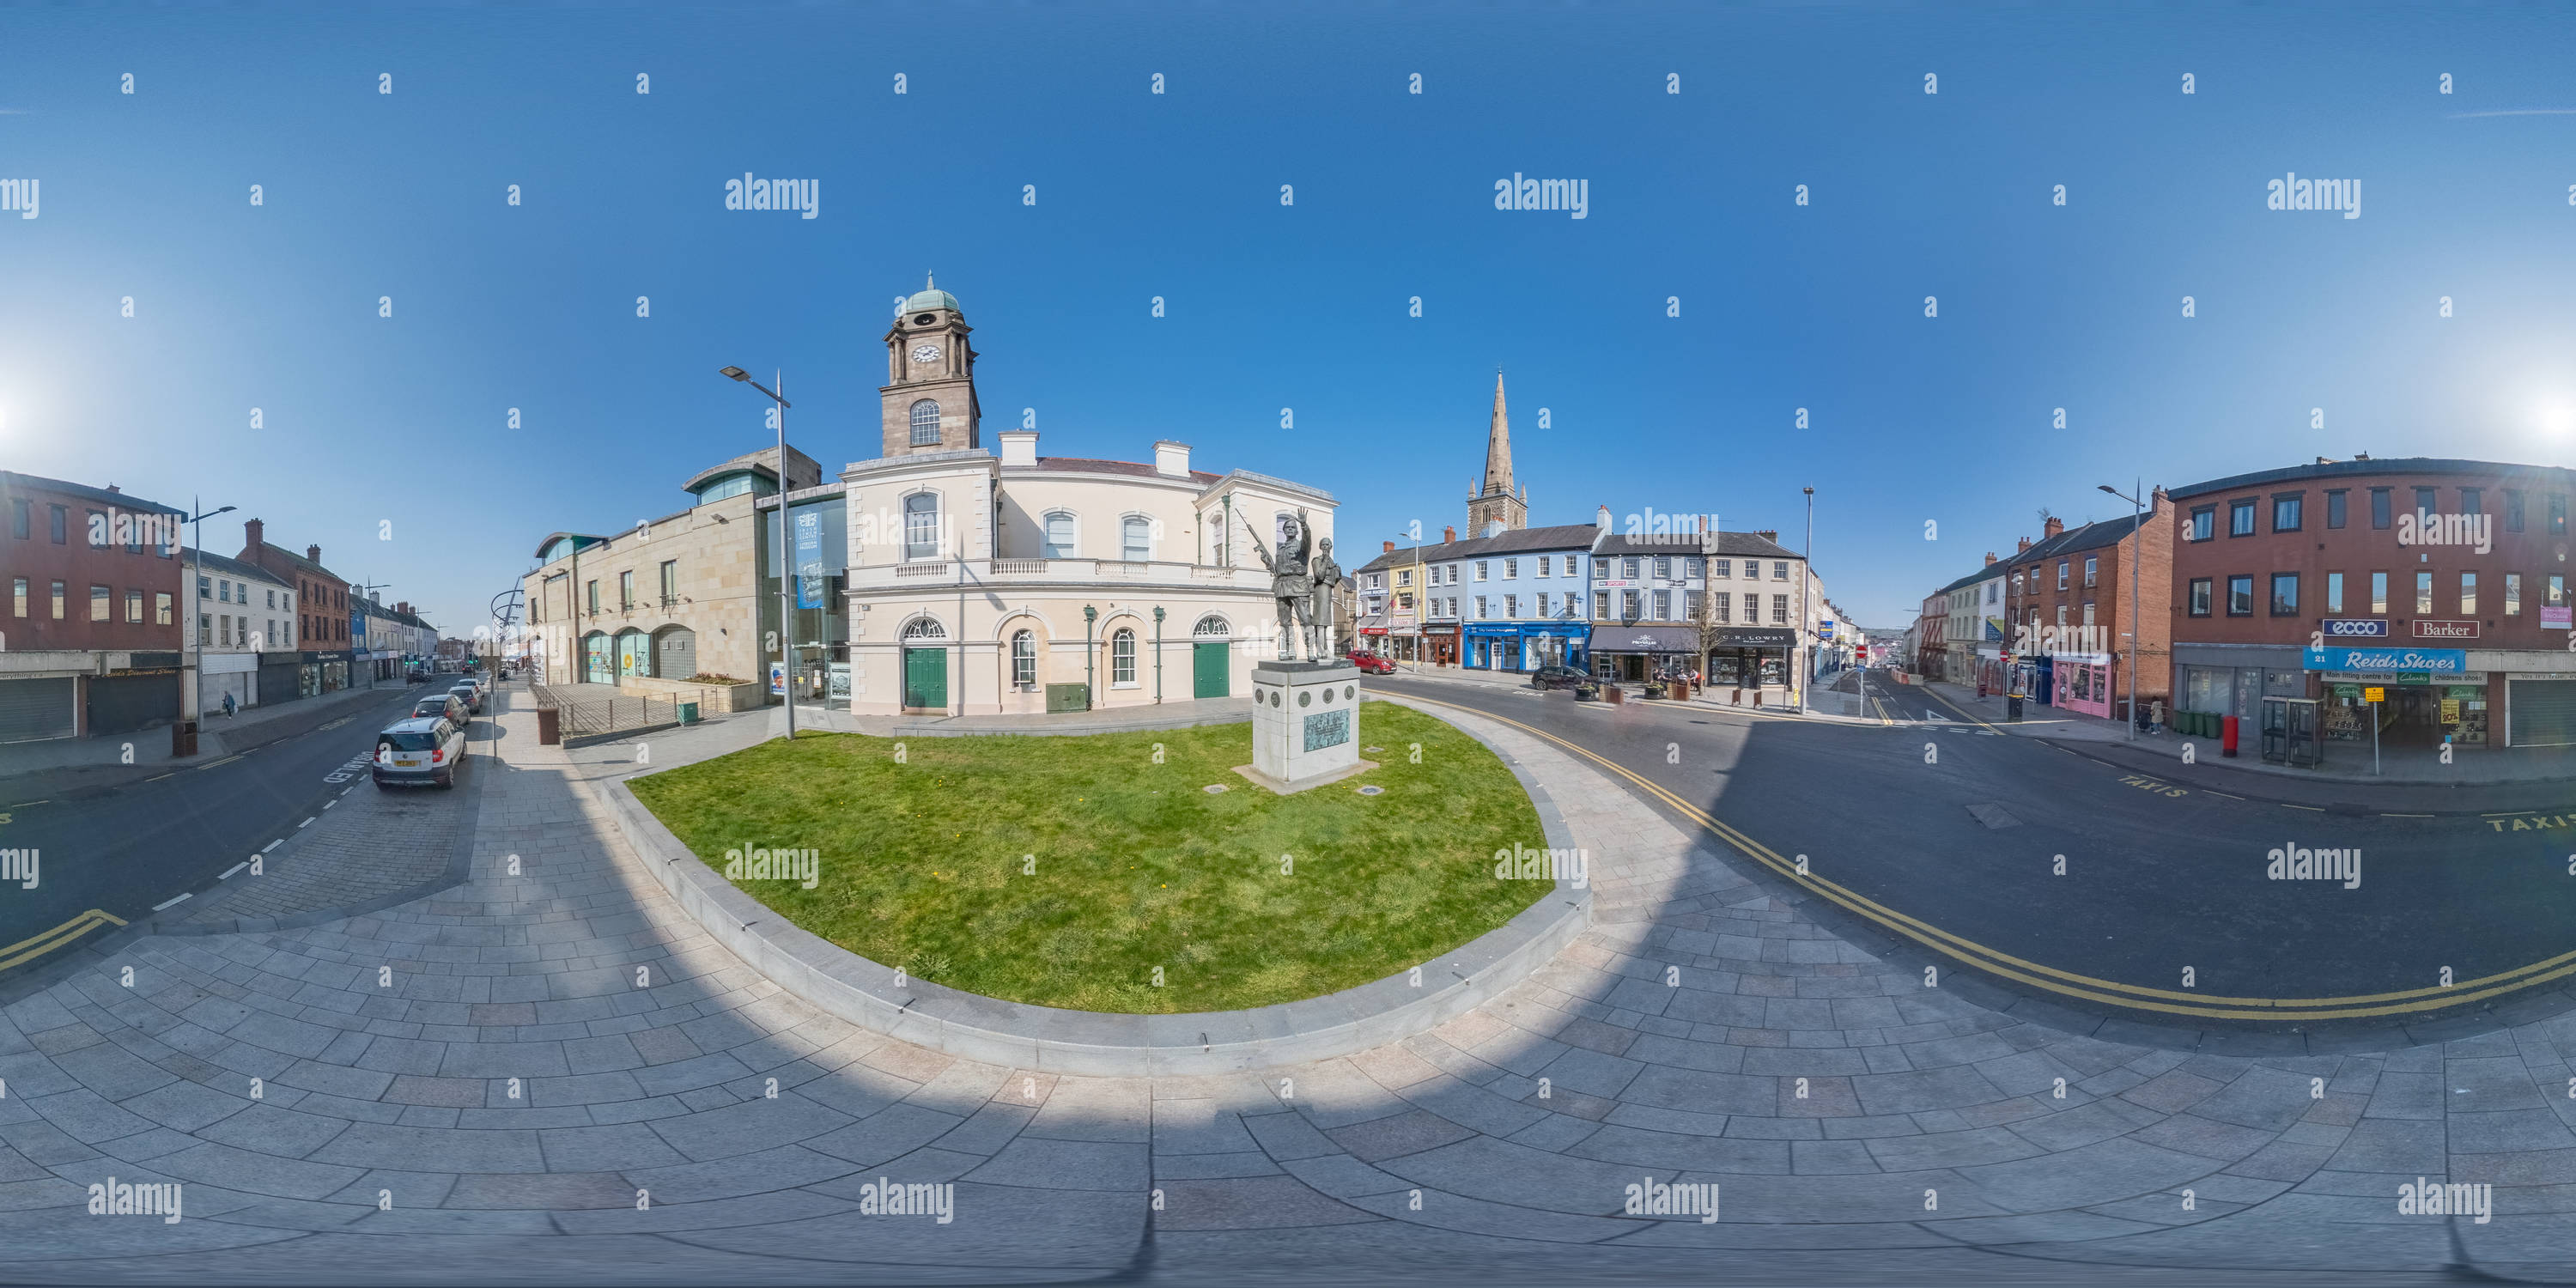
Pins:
<point x="1090" y="655"/>
<point x="2137" y="548"/>
<point x="1806" y="574"/>
<point x="786" y="601"/>
<point x="192" y="693"/>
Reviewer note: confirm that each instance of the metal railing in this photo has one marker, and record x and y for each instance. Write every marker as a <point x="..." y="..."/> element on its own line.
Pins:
<point x="587" y="715"/>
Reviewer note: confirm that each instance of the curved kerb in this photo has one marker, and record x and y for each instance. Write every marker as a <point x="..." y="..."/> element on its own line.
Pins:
<point x="1019" y="1036"/>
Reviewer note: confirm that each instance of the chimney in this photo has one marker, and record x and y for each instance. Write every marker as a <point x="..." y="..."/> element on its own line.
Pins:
<point x="1390" y="546"/>
<point x="2322" y="460"/>
<point x="254" y="535"/>
<point x="2055" y="527"/>
<point x="114" y="488"/>
<point x="1019" y="448"/>
<point x="1448" y="535"/>
<point x="1601" y="519"/>
<point x="313" y="553"/>
<point x="1172" y="460"/>
<point x="1771" y="535"/>
<point x="1990" y="556"/>
<point x="2157" y="500"/>
<point x="2025" y="545"/>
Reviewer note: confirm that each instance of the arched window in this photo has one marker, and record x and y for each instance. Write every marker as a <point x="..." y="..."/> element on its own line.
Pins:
<point x="1024" y="660"/>
<point x="1059" y="535"/>
<point x="1122" y="657"/>
<point x="925" y="423"/>
<point x="921" y="526"/>
<point x="925" y="628"/>
<point x="1211" y="625"/>
<point x="1136" y="539"/>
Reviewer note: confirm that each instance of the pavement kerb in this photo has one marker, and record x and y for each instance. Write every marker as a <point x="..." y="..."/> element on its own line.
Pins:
<point x="1048" y="1039"/>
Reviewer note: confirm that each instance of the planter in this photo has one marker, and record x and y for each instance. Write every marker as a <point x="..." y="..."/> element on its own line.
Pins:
<point x="713" y="698"/>
<point x="1587" y="693"/>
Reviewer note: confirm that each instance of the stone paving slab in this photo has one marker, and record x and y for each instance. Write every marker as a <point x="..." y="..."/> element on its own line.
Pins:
<point x="639" y="1141"/>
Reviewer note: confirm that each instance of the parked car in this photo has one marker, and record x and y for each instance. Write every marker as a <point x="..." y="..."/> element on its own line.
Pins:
<point x="471" y="694"/>
<point x="412" y="753"/>
<point x="416" y="676"/>
<point x="1369" y="663"/>
<point x="442" y="706"/>
<point x="1558" y="677"/>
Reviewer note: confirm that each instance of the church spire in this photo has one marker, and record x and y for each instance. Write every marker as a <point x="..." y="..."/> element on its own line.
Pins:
<point x="1498" y="444"/>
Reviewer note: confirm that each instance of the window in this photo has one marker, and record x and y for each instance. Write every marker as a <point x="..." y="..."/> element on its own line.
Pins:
<point x="1779" y="571"/>
<point x="160" y="607"/>
<point x="1779" y="610"/>
<point x="1690" y="605"/>
<point x="134" y="606"/>
<point x="18" y="596"/>
<point x="2240" y="596"/>
<point x="1628" y="567"/>
<point x="1403" y="577"/>
<point x="2286" y="512"/>
<point x="1480" y="608"/>
<point x="1690" y="565"/>
<point x="2061" y="615"/>
<point x="2334" y="508"/>
<point x="1512" y="569"/>
<point x="1722" y="606"/>
<point x="1664" y="567"/>
<point x="2334" y="592"/>
<point x="272" y="597"/>
<point x="2512" y="510"/>
<point x="100" y="601"/>
<point x="2468" y="594"/>
<point x="2423" y="593"/>
<point x="224" y="629"/>
<point x="2061" y="574"/>
<point x="2425" y="499"/>
<point x="2469" y="500"/>
<point x="1481" y="570"/>
<point x="1511" y="605"/>
<point x="921" y="526"/>
<point x="18" y="517"/>
<point x="1629" y="607"/>
<point x="2240" y="518"/>
<point x="2200" y="596"/>
<point x="1543" y="603"/>
<point x="61" y="522"/>
<point x="205" y="625"/>
<point x="1024" y="660"/>
<point x="1661" y="608"/>
<point x="2089" y="562"/>
<point x="1601" y="569"/>
<point x="2088" y="612"/>
<point x="2285" y="594"/>
<point x="2379" y="507"/>
<point x="205" y="587"/>
<point x="2557" y="514"/>
<point x="925" y="423"/>
<point x="2204" y="523"/>
<point x="626" y="589"/>
<point x="1136" y="538"/>
<point x="2379" y="594"/>
<point x="2512" y="595"/>
<point x="670" y="582"/>
<point x="2557" y="590"/>
<point x="593" y="597"/>
<point x="1601" y="605"/>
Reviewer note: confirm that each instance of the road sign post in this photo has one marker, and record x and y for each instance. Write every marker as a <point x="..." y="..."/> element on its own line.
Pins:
<point x="2374" y="696"/>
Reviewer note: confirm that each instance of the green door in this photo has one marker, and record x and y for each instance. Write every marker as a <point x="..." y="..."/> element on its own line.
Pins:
<point x="1208" y="673"/>
<point x="925" y="678"/>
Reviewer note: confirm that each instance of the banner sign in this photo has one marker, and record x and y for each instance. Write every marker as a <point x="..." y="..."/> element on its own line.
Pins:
<point x="2440" y="661"/>
<point x="809" y="559"/>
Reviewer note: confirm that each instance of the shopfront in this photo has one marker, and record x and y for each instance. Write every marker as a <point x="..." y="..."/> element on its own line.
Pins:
<point x="1750" y="658"/>
<point x="2540" y="708"/>
<point x="2233" y="679"/>
<point x="1638" y="653"/>
<point x="1440" y="644"/>
<point x="2081" y="682"/>
<point x="2428" y="696"/>
<point x="1526" y="646"/>
<point x="321" y="673"/>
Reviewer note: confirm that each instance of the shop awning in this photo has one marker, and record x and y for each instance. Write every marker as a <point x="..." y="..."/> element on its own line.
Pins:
<point x="1645" y="639"/>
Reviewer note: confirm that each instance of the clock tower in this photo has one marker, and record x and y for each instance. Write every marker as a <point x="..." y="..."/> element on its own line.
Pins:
<point x="929" y="397"/>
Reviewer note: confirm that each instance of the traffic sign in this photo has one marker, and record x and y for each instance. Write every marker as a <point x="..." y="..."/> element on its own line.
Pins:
<point x="2374" y="694"/>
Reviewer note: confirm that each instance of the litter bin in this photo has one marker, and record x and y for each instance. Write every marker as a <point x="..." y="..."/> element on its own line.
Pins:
<point x="2012" y="707"/>
<point x="688" y="712"/>
<point x="550" y="726"/>
<point x="183" y="738"/>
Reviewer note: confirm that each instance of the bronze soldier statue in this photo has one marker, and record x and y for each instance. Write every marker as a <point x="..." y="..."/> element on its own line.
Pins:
<point x="1289" y="583"/>
<point x="1324" y="577"/>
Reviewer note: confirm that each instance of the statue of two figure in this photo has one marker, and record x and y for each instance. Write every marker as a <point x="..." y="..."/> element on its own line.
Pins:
<point x="1302" y="581"/>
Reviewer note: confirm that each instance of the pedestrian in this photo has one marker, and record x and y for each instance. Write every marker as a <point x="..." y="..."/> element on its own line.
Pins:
<point x="228" y="705"/>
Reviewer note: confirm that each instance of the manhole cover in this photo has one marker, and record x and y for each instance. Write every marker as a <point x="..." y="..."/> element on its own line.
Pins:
<point x="1213" y="788"/>
<point x="1372" y="790"/>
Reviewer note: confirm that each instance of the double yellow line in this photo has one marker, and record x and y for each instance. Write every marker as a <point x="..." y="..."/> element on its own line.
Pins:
<point x="2068" y="983"/>
<point x="29" y="949"/>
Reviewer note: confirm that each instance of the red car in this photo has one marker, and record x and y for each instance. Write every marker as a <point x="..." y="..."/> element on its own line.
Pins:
<point x="1369" y="662"/>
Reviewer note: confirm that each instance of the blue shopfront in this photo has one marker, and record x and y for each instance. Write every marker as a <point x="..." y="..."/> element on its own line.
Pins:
<point x="1527" y="646"/>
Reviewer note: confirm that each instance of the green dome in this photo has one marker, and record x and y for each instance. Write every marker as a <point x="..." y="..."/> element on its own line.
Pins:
<point x="932" y="299"/>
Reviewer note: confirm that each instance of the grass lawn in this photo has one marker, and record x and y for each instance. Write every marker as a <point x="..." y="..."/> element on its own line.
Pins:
<point x="924" y="864"/>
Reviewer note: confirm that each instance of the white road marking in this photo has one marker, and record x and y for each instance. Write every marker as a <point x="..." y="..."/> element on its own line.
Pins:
<point x="327" y="804"/>
<point x="228" y="872"/>
<point x="272" y="845"/>
<point x="168" y="903"/>
<point x="305" y="824"/>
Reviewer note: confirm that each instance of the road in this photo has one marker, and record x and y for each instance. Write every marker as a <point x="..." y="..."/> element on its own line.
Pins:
<point x="2161" y="908"/>
<point x="124" y="840"/>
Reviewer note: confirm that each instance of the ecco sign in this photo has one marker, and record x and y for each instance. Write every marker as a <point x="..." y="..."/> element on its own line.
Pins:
<point x="2349" y="627"/>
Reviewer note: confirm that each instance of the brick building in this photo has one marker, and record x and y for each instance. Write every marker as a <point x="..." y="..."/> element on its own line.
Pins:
<point x="90" y="640"/>
<point x="321" y="656"/>
<point x="2442" y="582"/>
<point x="2069" y="600"/>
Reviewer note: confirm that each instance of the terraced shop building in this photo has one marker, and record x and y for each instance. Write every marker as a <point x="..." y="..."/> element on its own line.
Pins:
<point x="669" y="598"/>
<point x="2442" y="582"/>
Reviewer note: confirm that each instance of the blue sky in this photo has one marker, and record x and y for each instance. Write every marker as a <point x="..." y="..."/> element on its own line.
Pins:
<point x="1948" y="419"/>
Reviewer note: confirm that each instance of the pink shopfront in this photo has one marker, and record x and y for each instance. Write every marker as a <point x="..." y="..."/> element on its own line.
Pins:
<point x="2083" y="683"/>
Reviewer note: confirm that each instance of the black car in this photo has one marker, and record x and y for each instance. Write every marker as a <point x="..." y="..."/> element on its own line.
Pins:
<point x="444" y="706"/>
<point x="1557" y="677"/>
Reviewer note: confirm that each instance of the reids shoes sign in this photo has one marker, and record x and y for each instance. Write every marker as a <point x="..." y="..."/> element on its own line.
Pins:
<point x="2438" y="661"/>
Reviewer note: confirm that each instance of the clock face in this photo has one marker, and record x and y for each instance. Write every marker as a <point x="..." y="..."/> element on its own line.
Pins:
<point x="926" y="353"/>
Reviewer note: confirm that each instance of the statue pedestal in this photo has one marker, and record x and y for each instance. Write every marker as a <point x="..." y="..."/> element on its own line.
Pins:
<point x="1305" y="725"/>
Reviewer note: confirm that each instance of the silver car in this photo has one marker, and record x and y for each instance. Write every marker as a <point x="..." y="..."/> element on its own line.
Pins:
<point x="471" y="695"/>
<point x="419" y="753"/>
